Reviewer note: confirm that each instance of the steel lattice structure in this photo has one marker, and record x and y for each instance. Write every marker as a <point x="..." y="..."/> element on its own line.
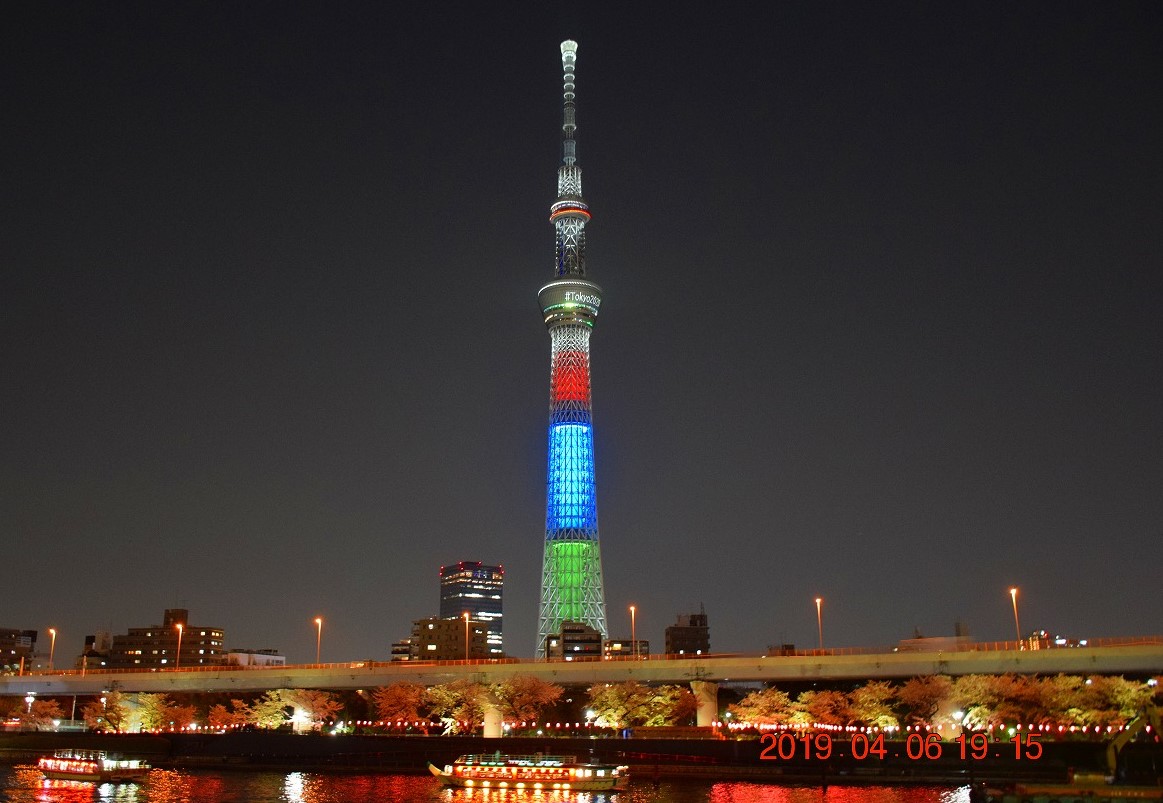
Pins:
<point x="571" y="577"/>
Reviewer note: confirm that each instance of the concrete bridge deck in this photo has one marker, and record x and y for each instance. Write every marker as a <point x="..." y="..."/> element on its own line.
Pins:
<point x="1141" y="656"/>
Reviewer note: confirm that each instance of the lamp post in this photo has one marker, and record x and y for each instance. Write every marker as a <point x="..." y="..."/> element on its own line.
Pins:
<point x="633" y="632"/>
<point x="1017" y="626"/>
<point x="820" y="620"/>
<point x="178" y="657"/>
<point x="466" y="635"/>
<point x="52" y="631"/>
<point x="318" y="638"/>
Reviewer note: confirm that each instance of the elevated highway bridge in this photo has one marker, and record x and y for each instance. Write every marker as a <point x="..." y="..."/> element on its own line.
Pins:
<point x="1131" y="656"/>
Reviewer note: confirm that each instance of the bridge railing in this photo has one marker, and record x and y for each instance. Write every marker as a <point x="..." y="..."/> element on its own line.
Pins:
<point x="343" y="665"/>
<point x="404" y="666"/>
<point x="974" y="646"/>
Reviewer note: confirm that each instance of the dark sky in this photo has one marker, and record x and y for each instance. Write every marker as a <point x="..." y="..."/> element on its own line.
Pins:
<point x="881" y="317"/>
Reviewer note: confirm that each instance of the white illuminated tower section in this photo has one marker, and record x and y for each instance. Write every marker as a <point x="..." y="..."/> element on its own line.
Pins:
<point x="571" y="576"/>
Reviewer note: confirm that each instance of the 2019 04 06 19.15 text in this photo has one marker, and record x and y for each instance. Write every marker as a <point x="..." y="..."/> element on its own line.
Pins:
<point x="862" y="747"/>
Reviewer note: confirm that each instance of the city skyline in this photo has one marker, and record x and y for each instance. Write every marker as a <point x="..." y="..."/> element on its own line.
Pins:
<point x="881" y="318"/>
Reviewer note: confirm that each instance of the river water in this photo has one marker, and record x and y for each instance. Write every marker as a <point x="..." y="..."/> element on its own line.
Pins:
<point x="24" y="784"/>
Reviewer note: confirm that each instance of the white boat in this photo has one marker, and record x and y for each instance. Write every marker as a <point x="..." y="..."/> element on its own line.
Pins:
<point x="92" y="765"/>
<point x="536" y="772"/>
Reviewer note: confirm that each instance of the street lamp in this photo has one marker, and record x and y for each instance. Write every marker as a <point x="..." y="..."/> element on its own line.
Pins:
<point x="52" y="631"/>
<point x="1017" y="627"/>
<point x="318" y="638"/>
<point x="633" y="632"/>
<point x="178" y="657"/>
<point x="466" y="635"/>
<point x="820" y="620"/>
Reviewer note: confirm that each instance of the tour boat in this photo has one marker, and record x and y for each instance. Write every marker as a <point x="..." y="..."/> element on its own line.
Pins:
<point x="537" y="772"/>
<point x="92" y="765"/>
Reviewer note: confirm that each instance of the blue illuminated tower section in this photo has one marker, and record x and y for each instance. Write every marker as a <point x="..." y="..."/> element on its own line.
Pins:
<point x="571" y="576"/>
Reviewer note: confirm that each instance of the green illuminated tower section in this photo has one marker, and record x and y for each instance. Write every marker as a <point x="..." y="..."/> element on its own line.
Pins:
<point x="571" y="576"/>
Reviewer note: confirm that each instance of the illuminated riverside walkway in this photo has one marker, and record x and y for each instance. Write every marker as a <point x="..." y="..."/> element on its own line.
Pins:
<point x="1133" y="656"/>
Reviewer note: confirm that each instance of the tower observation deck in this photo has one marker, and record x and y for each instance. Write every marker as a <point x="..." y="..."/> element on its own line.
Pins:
<point x="571" y="577"/>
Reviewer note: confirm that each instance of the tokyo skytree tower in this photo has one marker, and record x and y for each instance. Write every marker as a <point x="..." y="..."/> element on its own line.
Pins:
<point x="571" y="576"/>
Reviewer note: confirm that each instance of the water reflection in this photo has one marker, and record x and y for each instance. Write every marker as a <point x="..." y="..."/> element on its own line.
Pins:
<point x="304" y="787"/>
<point x="25" y="784"/>
<point x="32" y="787"/>
<point x="767" y="793"/>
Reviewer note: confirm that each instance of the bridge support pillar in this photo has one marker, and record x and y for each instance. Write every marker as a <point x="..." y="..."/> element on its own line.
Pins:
<point x="707" y="697"/>
<point x="492" y="723"/>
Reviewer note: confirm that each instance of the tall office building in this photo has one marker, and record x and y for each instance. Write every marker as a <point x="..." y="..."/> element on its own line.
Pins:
<point x="476" y="589"/>
<point x="571" y="575"/>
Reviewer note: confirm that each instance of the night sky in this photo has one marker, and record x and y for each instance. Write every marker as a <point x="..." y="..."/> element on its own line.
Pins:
<point x="881" y="320"/>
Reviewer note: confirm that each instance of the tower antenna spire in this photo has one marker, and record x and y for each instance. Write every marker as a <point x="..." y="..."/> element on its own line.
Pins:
<point x="569" y="213"/>
<point x="569" y="109"/>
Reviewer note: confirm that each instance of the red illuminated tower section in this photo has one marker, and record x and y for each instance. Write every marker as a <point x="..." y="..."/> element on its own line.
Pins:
<point x="571" y="576"/>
